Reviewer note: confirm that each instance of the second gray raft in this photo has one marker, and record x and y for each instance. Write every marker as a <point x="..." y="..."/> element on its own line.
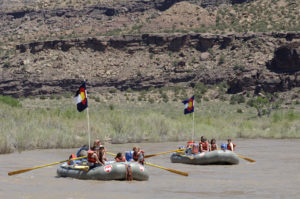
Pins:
<point x="111" y="171"/>
<point x="212" y="157"/>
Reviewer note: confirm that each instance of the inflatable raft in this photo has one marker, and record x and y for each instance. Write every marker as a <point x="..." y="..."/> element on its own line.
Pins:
<point x="111" y="171"/>
<point x="212" y="157"/>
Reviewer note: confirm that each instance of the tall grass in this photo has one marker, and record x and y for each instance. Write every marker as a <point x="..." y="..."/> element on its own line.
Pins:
<point x="57" y="124"/>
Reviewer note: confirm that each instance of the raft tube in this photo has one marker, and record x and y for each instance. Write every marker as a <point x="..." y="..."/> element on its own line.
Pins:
<point x="111" y="171"/>
<point x="213" y="157"/>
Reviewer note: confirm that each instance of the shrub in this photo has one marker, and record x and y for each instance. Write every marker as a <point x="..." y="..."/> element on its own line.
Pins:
<point x="237" y="99"/>
<point x="151" y="100"/>
<point x="239" y="110"/>
<point x="6" y="65"/>
<point x="113" y="90"/>
<point x="111" y="107"/>
<point x="43" y="97"/>
<point x="13" y="102"/>
<point x="221" y="60"/>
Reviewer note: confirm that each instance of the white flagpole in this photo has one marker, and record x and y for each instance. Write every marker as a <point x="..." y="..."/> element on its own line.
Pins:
<point x="193" y="126"/>
<point x="88" y="119"/>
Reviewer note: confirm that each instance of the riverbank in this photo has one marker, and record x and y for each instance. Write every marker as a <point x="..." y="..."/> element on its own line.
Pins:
<point x="55" y="123"/>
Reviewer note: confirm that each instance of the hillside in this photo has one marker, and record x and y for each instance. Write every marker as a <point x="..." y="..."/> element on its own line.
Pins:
<point x="48" y="47"/>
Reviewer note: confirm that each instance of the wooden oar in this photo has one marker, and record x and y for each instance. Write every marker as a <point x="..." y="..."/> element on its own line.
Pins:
<point x="177" y="150"/>
<point x="245" y="158"/>
<point x="168" y="169"/>
<point x="29" y="169"/>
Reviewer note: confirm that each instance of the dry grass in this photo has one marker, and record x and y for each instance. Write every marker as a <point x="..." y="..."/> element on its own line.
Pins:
<point x="57" y="124"/>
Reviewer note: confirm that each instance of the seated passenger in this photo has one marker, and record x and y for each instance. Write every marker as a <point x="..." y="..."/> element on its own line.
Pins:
<point x="102" y="155"/>
<point x="82" y="151"/>
<point x="138" y="155"/>
<point x="120" y="158"/>
<point x="200" y="143"/>
<point x="213" y="145"/>
<point x="230" y="145"/>
<point x="204" y="146"/>
<point x="93" y="159"/>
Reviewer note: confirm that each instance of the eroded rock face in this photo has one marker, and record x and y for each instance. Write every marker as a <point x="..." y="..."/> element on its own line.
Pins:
<point x="286" y="58"/>
<point x="153" y="60"/>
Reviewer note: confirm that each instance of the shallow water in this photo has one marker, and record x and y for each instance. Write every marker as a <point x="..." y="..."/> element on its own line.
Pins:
<point x="275" y="175"/>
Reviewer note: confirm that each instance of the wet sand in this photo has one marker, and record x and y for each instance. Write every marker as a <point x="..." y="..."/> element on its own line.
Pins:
<point x="275" y="175"/>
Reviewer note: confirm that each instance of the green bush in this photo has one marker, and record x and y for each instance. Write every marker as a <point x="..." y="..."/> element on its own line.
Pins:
<point x="237" y="99"/>
<point x="13" y="102"/>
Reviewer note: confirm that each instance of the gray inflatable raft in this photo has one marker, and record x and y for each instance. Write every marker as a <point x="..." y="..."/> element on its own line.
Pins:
<point x="111" y="171"/>
<point x="212" y="157"/>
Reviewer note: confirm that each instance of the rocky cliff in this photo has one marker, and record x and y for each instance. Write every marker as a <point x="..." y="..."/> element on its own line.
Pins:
<point x="247" y="62"/>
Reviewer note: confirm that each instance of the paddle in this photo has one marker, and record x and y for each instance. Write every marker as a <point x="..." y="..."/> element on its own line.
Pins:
<point x="245" y="158"/>
<point x="29" y="169"/>
<point x="168" y="169"/>
<point x="177" y="150"/>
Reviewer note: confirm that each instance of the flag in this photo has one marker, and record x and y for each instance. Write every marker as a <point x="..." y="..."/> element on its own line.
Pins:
<point x="189" y="105"/>
<point x="81" y="98"/>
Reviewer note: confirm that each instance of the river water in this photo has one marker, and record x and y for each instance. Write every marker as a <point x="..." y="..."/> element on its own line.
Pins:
<point x="276" y="174"/>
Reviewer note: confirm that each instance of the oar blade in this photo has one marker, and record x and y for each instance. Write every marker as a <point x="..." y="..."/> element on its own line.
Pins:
<point x="19" y="171"/>
<point x="29" y="169"/>
<point x="245" y="158"/>
<point x="168" y="169"/>
<point x="178" y="172"/>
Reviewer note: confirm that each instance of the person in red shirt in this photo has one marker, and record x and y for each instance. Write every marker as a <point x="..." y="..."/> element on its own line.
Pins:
<point x="230" y="145"/>
<point x="213" y="145"/>
<point x="204" y="146"/>
<point x="120" y="158"/>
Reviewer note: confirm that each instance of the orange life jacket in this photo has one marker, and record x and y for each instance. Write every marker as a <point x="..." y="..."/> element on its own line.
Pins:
<point x="90" y="156"/>
<point x="213" y="147"/>
<point x="229" y="146"/>
<point x="195" y="148"/>
<point x="205" y="146"/>
<point x="120" y="160"/>
<point x="135" y="156"/>
<point x="72" y="156"/>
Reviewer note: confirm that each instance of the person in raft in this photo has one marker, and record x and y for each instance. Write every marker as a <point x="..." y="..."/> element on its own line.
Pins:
<point x="213" y="145"/>
<point x="138" y="155"/>
<point x="82" y="151"/>
<point x="93" y="158"/>
<point x="204" y="145"/>
<point x="120" y="158"/>
<point x="230" y="145"/>
<point x="102" y="155"/>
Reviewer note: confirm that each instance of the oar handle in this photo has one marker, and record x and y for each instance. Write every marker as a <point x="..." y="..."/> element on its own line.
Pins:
<point x="37" y="167"/>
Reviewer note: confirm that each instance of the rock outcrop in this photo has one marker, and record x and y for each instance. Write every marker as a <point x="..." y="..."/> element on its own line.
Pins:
<point x="154" y="60"/>
<point x="286" y="58"/>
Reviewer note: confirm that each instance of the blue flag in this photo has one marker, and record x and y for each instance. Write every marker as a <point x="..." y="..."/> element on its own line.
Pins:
<point x="189" y="105"/>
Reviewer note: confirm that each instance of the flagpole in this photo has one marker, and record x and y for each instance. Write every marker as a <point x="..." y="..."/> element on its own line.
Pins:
<point x="193" y="126"/>
<point x="88" y="121"/>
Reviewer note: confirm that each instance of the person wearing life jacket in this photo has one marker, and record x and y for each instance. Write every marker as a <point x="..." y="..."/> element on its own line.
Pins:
<point x="93" y="159"/>
<point x="138" y="155"/>
<point x="213" y="145"/>
<point x="82" y="151"/>
<point x="230" y="145"/>
<point x="204" y="146"/>
<point x="200" y="143"/>
<point x="72" y="156"/>
<point x="120" y="158"/>
<point x="192" y="148"/>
